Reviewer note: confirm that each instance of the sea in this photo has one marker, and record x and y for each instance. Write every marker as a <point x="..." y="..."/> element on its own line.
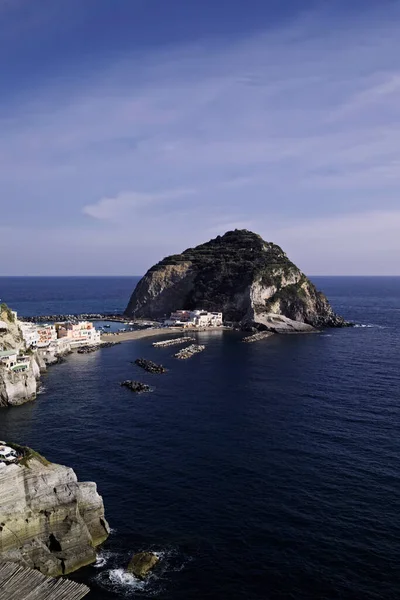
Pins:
<point x="265" y="471"/>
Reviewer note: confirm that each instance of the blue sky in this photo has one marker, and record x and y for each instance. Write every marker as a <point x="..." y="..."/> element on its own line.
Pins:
<point x="132" y="129"/>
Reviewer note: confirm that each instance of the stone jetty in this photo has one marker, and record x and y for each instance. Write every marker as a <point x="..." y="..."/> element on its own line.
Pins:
<point x="89" y="349"/>
<point x="136" y="386"/>
<point x="256" y="337"/>
<point x="173" y="342"/>
<point x="150" y="366"/>
<point x="189" y="351"/>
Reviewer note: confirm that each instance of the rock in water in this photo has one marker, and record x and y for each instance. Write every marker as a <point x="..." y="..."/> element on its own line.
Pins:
<point x="48" y="520"/>
<point x="136" y="386"/>
<point x="141" y="563"/>
<point x="150" y="366"/>
<point x="251" y="281"/>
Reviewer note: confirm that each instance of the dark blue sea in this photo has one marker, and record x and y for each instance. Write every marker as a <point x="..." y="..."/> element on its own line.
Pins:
<point x="263" y="471"/>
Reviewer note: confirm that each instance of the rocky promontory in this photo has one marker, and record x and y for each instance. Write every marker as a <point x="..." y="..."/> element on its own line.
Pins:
<point x="48" y="520"/>
<point x="250" y="280"/>
<point x="17" y="387"/>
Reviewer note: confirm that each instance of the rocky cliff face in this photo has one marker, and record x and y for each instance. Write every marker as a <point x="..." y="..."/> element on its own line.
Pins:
<point x="17" y="388"/>
<point x="251" y="281"/>
<point x="48" y="520"/>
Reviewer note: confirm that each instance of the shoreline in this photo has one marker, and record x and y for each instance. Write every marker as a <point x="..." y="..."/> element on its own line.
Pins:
<point x="125" y="336"/>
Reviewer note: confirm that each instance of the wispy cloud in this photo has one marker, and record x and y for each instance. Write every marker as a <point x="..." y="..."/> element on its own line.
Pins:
<point x="124" y="204"/>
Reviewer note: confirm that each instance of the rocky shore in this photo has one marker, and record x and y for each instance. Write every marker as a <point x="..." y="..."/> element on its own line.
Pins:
<point x="49" y="520"/>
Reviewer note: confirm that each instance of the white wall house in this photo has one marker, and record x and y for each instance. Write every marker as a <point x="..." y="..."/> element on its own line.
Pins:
<point x="8" y="358"/>
<point x="13" y="361"/>
<point x="29" y="333"/>
<point x="79" y="334"/>
<point x="195" y="318"/>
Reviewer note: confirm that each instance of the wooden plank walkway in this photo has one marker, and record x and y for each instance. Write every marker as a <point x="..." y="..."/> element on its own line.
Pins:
<point x="20" y="583"/>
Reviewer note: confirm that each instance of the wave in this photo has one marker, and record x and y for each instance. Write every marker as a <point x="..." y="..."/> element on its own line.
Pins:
<point x="368" y="326"/>
<point x="41" y="390"/>
<point x="102" y="559"/>
<point x="120" y="577"/>
<point x="122" y="583"/>
<point x="117" y="579"/>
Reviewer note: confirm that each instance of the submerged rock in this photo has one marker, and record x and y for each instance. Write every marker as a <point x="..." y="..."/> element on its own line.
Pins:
<point x="48" y="520"/>
<point x="251" y="281"/>
<point x="136" y="386"/>
<point x="142" y="563"/>
<point x="150" y="366"/>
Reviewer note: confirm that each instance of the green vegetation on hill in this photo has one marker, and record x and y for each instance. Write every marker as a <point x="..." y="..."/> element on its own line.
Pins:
<point x="228" y="264"/>
<point x="5" y="310"/>
<point x="239" y="274"/>
<point x="28" y="454"/>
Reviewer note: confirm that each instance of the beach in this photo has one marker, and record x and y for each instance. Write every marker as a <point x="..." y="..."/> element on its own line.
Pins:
<point x="125" y="336"/>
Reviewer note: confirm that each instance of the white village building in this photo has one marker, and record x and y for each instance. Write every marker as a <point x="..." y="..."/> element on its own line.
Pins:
<point x="194" y="318"/>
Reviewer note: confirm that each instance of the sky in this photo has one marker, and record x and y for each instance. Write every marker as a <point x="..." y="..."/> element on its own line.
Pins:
<point x="133" y="129"/>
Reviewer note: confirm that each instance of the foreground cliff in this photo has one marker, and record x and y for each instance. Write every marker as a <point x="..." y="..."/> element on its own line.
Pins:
<point x="251" y="281"/>
<point x="48" y="520"/>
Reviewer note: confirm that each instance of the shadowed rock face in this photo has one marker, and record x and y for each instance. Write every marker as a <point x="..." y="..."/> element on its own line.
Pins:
<point x="48" y="520"/>
<point x="251" y="281"/>
<point x="142" y="563"/>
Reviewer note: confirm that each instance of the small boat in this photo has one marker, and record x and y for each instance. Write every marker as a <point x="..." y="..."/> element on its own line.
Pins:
<point x="107" y="326"/>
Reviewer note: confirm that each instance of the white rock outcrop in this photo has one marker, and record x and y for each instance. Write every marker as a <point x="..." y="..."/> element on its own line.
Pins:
<point x="48" y="520"/>
<point x="18" y="388"/>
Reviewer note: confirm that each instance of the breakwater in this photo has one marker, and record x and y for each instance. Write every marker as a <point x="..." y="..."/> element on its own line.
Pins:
<point x="90" y="349"/>
<point x="256" y="337"/>
<point x="173" y="342"/>
<point x="189" y="351"/>
<point x="76" y="317"/>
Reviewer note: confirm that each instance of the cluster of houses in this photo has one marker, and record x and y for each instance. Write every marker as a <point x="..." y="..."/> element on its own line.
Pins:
<point x="52" y="339"/>
<point x="7" y="455"/>
<point x="194" y="318"/>
<point x="64" y="335"/>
